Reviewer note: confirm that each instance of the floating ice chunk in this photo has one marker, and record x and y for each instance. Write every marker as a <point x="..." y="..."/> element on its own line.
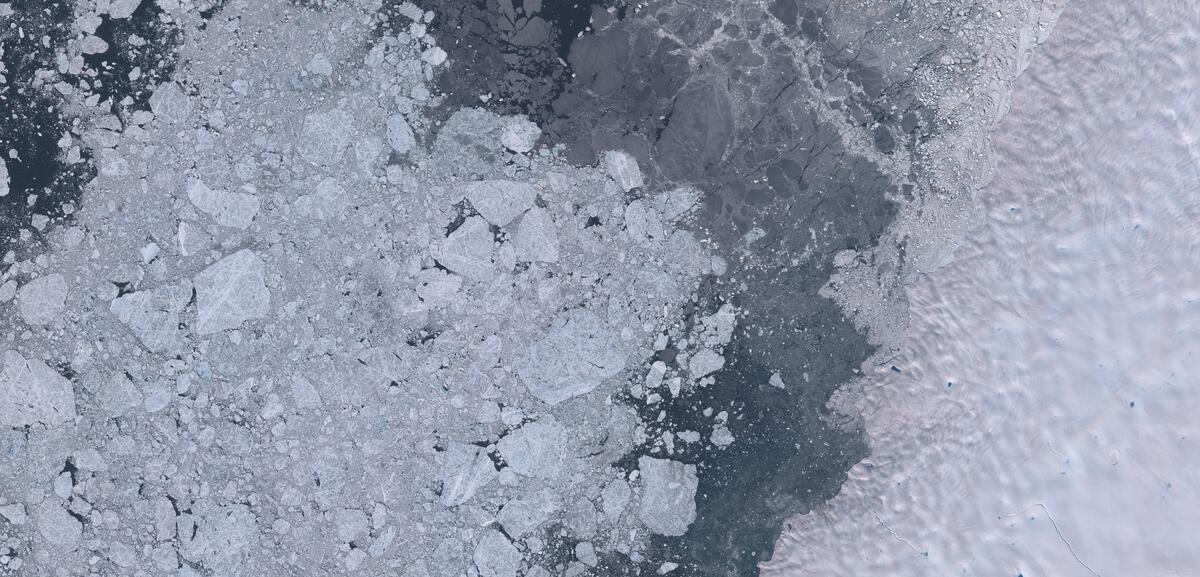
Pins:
<point x="705" y="361"/>
<point x="304" y="394"/>
<point x="537" y="449"/>
<point x="232" y="209"/>
<point x="89" y="460"/>
<point x="324" y="203"/>
<point x="325" y="136"/>
<point x="678" y="202"/>
<point x="170" y="104"/>
<point x="642" y="222"/>
<point x="654" y="377"/>
<point x="500" y="201"/>
<point x="434" y="55"/>
<point x="614" y="498"/>
<point x="623" y="168"/>
<point x="42" y="300"/>
<point x="319" y="64"/>
<point x="93" y="45"/>
<point x="191" y="238"/>
<point x="351" y="524"/>
<point x="495" y="556"/>
<point x="14" y="513"/>
<point x="4" y="181"/>
<point x="121" y="9"/>
<point x="400" y="135"/>
<point x="524" y="514"/>
<point x="667" y="567"/>
<point x="718" y="327"/>
<point x="537" y="239"/>
<point x="58" y="527"/>
<point x="466" y="470"/>
<point x="153" y="316"/>
<point x="117" y="395"/>
<point x="520" y="135"/>
<point x="721" y="436"/>
<point x="437" y="287"/>
<point x="668" y="502"/>
<point x="150" y="252"/>
<point x="231" y="292"/>
<point x="222" y="534"/>
<point x="468" y="250"/>
<point x="163" y="513"/>
<point x="776" y="380"/>
<point x="32" y="392"/>
<point x="8" y="291"/>
<point x="574" y="357"/>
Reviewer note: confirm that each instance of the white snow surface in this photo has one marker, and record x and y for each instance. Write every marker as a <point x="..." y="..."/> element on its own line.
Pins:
<point x="1044" y="422"/>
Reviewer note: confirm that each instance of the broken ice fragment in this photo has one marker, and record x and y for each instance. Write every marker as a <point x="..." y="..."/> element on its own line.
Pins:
<point x="400" y="134"/>
<point x="520" y="135"/>
<point x="468" y="250"/>
<point x="524" y="514"/>
<point x="232" y="209"/>
<point x="32" y="392"/>
<point x="721" y="436"/>
<point x="153" y="316"/>
<point x="668" y="502"/>
<point x="776" y="380"/>
<point x="574" y="357"/>
<point x="231" y="292"/>
<point x="170" y="104"/>
<point x="14" y="513"/>
<point x="42" y="300"/>
<point x="495" y="556"/>
<point x="4" y="182"/>
<point x="121" y="9"/>
<point x="304" y="394"/>
<point x="93" y="45"/>
<point x="705" y="361"/>
<point x="613" y="499"/>
<point x="351" y="524"/>
<point x="466" y="470"/>
<point x="118" y="395"/>
<point x="325" y="136"/>
<point x="537" y="239"/>
<point x="58" y="527"/>
<point x="537" y="449"/>
<point x="623" y="168"/>
<point x="585" y="552"/>
<point x="501" y="201"/>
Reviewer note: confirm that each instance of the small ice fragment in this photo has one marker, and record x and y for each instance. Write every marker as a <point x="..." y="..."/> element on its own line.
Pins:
<point x="150" y="252"/>
<point x="574" y="357"/>
<point x="232" y="209"/>
<point x="668" y="502"/>
<point x="319" y="64"/>
<point x="586" y="553"/>
<point x="33" y="393"/>
<point x="434" y="55"/>
<point x="776" y="380"/>
<point x="537" y="238"/>
<point x="4" y="181"/>
<point x="654" y="377"/>
<point x="721" y="436"/>
<point x="614" y="498"/>
<point x="43" y="299"/>
<point x="14" y="513"/>
<point x="521" y="515"/>
<point x="468" y="250"/>
<point x="495" y="556"/>
<point x="121" y="9"/>
<point x="231" y="292"/>
<point x="170" y="104"/>
<point x="501" y="201"/>
<point x="351" y="524"/>
<point x="520" y="135"/>
<point x="537" y="449"/>
<point x="400" y="135"/>
<point x="304" y="394"/>
<point x="466" y="470"/>
<point x="667" y="567"/>
<point x="93" y="45"/>
<point x="704" y="362"/>
<point x="623" y="168"/>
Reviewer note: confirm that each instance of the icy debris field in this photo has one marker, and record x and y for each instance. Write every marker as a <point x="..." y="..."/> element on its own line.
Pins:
<point x="513" y="288"/>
